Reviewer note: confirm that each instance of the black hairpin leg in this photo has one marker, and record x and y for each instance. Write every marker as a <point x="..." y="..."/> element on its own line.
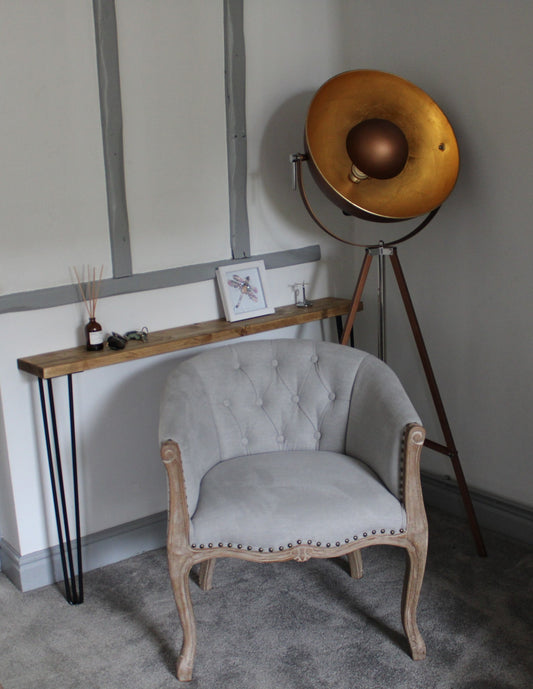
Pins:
<point x="73" y="588"/>
<point x="340" y="329"/>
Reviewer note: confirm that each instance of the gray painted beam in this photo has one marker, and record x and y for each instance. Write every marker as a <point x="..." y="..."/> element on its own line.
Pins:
<point x="105" y="24"/>
<point x="68" y="294"/>
<point x="235" y="84"/>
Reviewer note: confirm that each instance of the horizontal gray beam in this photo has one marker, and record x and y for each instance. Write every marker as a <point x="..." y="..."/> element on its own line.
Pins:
<point x="140" y="282"/>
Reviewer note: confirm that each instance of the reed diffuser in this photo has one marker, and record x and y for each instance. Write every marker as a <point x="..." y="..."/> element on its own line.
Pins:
<point x="94" y="335"/>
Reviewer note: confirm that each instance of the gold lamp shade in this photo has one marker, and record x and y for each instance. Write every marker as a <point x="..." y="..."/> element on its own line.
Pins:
<point x="432" y="164"/>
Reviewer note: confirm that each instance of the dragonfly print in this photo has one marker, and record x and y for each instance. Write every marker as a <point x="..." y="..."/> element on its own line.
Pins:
<point x="245" y="288"/>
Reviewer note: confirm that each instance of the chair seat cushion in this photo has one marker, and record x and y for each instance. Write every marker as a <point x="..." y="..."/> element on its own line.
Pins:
<point x="277" y="499"/>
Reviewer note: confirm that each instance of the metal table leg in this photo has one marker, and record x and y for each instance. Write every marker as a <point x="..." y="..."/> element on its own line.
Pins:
<point x="73" y="588"/>
<point x="340" y="329"/>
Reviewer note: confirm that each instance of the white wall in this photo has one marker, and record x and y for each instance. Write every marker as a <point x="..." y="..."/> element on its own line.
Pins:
<point x="51" y="142"/>
<point x="171" y="58"/>
<point x="471" y="289"/>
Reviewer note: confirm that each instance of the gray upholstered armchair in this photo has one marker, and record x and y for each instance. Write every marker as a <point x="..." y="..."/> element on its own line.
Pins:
<point x="288" y="450"/>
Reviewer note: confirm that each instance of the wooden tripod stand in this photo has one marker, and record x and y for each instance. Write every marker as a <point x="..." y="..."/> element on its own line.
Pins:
<point x="449" y="447"/>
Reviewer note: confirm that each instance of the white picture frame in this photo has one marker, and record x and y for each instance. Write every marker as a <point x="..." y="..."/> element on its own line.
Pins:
<point x="243" y="288"/>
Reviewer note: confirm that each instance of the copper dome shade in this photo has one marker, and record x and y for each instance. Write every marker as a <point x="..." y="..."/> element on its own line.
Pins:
<point x="432" y="160"/>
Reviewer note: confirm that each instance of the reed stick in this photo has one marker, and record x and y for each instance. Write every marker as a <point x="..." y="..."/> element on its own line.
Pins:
<point x="91" y="291"/>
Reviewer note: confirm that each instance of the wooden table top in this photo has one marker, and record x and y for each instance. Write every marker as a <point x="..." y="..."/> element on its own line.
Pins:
<point x="77" y="359"/>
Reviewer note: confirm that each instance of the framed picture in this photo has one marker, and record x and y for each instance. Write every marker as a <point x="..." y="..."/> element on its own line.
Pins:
<point x="243" y="290"/>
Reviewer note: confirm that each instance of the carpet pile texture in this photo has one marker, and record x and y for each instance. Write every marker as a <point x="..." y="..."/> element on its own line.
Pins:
<point x="284" y="625"/>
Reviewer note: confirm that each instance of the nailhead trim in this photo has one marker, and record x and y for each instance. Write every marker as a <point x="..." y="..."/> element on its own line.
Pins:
<point x="318" y="544"/>
<point x="401" y="476"/>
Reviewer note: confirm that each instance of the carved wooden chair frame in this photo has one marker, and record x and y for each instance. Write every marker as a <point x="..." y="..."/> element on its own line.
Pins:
<point x="182" y="556"/>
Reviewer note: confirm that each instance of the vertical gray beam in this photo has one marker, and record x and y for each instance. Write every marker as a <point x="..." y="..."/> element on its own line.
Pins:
<point x="235" y="83"/>
<point x="105" y="23"/>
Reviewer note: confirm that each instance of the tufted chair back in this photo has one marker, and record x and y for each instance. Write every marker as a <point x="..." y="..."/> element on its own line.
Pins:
<point x="279" y="395"/>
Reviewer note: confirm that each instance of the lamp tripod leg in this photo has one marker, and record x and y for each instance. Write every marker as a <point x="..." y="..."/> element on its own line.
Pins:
<point x="450" y="448"/>
<point x="356" y="300"/>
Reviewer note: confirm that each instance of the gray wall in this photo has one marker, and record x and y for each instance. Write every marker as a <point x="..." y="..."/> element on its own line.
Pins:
<point x="469" y="272"/>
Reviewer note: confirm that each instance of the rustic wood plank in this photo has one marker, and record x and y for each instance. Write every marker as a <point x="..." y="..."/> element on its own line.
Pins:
<point x="77" y="359"/>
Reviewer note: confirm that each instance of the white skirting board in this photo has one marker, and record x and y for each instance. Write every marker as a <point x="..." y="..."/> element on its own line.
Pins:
<point x="42" y="568"/>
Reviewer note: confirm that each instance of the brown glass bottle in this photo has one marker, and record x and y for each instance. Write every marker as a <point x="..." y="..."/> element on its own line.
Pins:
<point x="94" y="335"/>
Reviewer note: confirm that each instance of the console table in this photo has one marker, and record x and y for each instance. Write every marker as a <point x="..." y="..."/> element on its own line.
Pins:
<point x="66" y="362"/>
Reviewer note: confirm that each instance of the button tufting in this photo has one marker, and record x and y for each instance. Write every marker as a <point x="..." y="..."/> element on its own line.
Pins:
<point x="226" y="403"/>
<point x="236" y="366"/>
<point x="317" y="435"/>
<point x="274" y="363"/>
<point x="280" y="439"/>
<point x="244" y="441"/>
<point x="332" y="396"/>
<point x="259" y="402"/>
<point x="295" y="399"/>
<point x="314" y="358"/>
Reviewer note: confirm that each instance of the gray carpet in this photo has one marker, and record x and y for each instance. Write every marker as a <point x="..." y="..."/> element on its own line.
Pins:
<point x="284" y="626"/>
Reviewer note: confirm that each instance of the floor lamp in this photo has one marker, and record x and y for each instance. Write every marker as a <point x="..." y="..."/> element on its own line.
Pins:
<point x="382" y="150"/>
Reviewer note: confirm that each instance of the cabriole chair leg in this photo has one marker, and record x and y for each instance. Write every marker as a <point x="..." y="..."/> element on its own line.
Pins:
<point x="205" y="578"/>
<point x="179" y="575"/>
<point x="355" y="561"/>
<point x="414" y="574"/>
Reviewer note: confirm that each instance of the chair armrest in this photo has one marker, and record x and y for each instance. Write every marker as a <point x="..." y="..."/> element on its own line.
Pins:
<point x="179" y="521"/>
<point x="379" y="412"/>
<point x="412" y="486"/>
